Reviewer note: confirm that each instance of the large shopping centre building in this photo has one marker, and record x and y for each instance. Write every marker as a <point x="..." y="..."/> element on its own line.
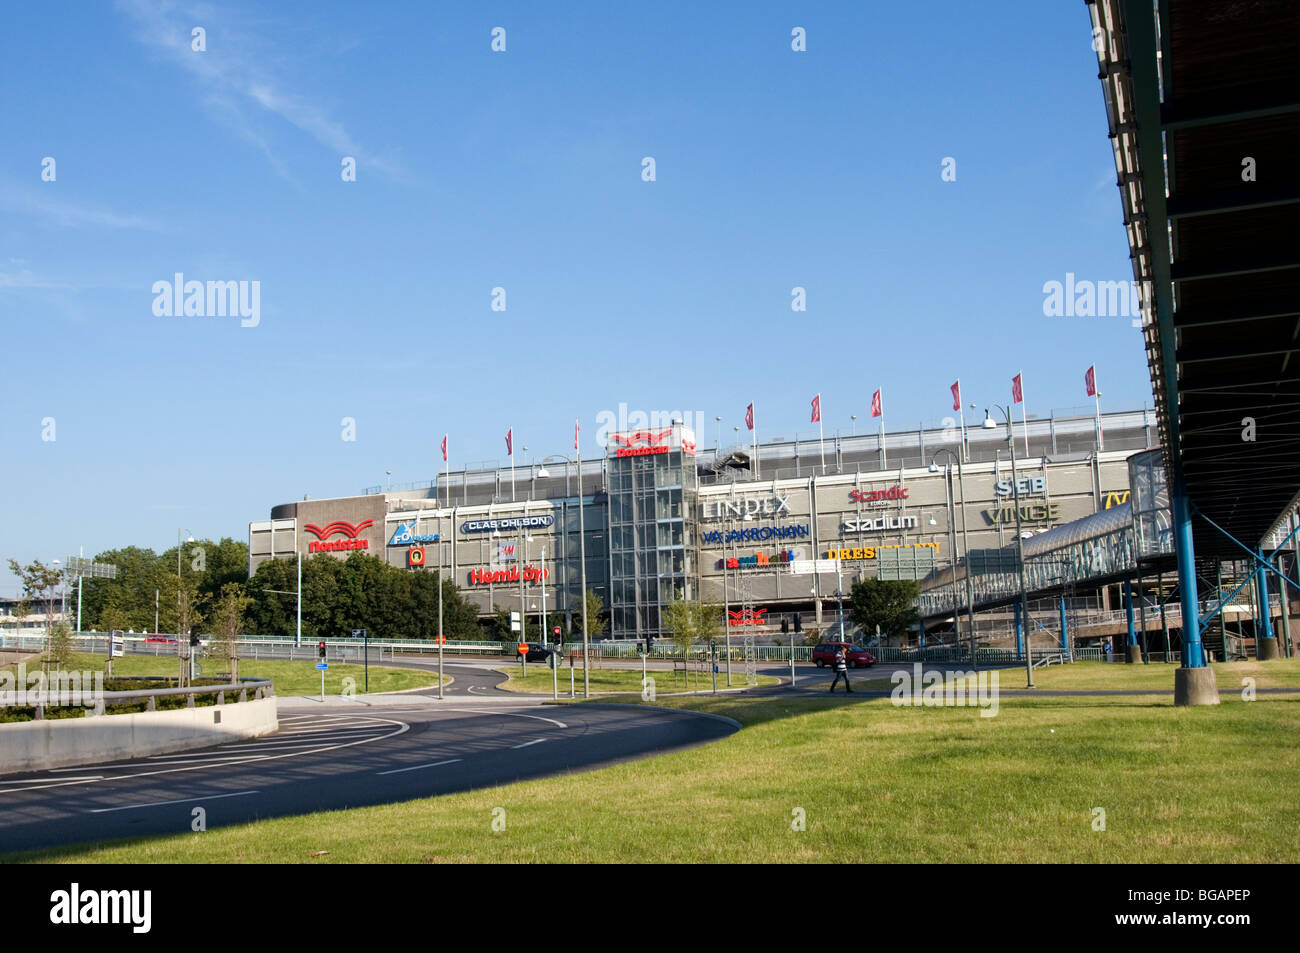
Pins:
<point x="767" y="531"/>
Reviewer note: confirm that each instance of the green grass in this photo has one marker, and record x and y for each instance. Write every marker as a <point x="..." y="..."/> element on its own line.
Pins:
<point x="876" y="784"/>
<point x="622" y="680"/>
<point x="290" y="678"/>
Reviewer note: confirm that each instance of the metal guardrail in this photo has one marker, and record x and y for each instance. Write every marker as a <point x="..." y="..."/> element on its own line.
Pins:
<point x="261" y="688"/>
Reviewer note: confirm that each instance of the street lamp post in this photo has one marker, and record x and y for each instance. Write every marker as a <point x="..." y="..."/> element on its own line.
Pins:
<point x="990" y="424"/>
<point x="582" y="566"/>
<point x="965" y="546"/>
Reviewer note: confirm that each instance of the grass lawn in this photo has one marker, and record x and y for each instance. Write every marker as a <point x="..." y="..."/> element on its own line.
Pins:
<point x="874" y="783"/>
<point x="622" y="680"/>
<point x="291" y="678"/>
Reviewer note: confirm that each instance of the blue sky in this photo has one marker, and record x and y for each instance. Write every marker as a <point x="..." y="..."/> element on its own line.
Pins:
<point x="521" y="169"/>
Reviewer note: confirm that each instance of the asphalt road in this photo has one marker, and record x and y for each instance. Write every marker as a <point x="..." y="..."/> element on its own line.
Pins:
<point x="337" y="757"/>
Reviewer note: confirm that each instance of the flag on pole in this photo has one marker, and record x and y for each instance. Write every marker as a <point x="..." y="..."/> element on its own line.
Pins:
<point x="575" y="435"/>
<point x="1017" y="389"/>
<point x="1090" y="381"/>
<point x="510" y="442"/>
<point x="817" y="409"/>
<point x="444" y="448"/>
<point x="749" y="416"/>
<point x="956" y="394"/>
<point x="876" y="409"/>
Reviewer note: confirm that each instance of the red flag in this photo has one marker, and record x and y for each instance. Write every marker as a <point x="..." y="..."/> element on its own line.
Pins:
<point x="956" y="394"/>
<point x="444" y="448"/>
<point x="575" y="435"/>
<point x="749" y="416"/>
<point x="876" y="409"/>
<point x="1017" y="389"/>
<point x="510" y="444"/>
<point x="817" y="409"/>
<point x="1090" y="381"/>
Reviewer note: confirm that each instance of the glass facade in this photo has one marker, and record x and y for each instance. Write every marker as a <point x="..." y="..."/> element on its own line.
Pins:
<point x="652" y="487"/>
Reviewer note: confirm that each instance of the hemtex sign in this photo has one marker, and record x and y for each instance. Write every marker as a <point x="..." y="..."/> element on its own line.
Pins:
<point x="74" y="906"/>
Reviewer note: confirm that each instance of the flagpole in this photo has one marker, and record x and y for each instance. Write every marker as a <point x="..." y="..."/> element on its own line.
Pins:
<point x="758" y="466"/>
<point x="582" y="574"/>
<point x="1096" y="399"/>
<point x="821" y="433"/>
<point x="512" y="465"/>
<point x="446" y="461"/>
<point x="884" y="451"/>
<point x="1024" y="413"/>
<point x="961" y="407"/>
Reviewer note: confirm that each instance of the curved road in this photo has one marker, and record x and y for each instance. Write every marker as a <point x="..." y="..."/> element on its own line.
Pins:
<point x="340" y="756"/>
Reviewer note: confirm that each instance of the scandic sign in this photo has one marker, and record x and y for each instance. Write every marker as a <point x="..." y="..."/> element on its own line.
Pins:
<point x="895" y="492"/>
<point x="340" y="527"/>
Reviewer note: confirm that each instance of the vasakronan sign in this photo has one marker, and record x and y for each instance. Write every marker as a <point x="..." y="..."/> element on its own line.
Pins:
<point x="747" y="506"/>
<point x="405" y="535"/>
<point x="508" y="522"/>
<point x="752" y="534"/>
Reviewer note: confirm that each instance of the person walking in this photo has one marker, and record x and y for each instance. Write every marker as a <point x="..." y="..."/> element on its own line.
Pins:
<point x="841" y="670"/>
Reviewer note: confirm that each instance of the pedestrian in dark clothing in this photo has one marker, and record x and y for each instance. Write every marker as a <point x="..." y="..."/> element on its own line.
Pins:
<point x="841" y="671"/>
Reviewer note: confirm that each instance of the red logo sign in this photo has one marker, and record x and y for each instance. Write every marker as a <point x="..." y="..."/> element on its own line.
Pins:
<point x="654" y="443"/>
<point x="483" y="577"/>
<point x="895" y="492"/>
<point x="747" y="617"/>
<point x="342" y="528"/>
<point x="415" y="556"/>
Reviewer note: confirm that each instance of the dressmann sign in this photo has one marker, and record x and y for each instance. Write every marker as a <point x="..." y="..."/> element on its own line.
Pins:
<point x="509" y="522"/>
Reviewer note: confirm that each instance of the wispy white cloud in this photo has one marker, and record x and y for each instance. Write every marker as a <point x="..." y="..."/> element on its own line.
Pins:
<point x="235" y="77"/>
<point x="46" y="203"/>
<point x="24" y="278"/>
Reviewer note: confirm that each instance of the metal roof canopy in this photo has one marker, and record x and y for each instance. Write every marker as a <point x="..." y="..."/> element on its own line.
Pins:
<point x="1194" y="89"/>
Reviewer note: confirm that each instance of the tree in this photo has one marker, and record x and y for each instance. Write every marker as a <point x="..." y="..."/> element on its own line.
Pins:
<point x="41" y="582"/>
<point x="595" y="606"/>
<point x="227" y="622"/>
<point x="501" y="624"/>
<point x="886" y="603"/>
<point x="690" y="622"/>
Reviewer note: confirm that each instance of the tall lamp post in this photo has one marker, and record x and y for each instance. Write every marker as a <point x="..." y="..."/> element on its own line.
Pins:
<point x="582" y="569"/>
<point x="179" y="585"/>
<point x="991" y="424"/>
<point x="965" y="546"/>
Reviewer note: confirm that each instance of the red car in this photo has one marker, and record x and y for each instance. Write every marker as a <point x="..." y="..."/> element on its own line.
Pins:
<point x="855" y="656"/>
<point x="166" y="639"/>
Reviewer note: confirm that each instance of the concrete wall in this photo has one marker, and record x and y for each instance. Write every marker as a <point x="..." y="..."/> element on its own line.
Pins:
<point x="69" y="742"/>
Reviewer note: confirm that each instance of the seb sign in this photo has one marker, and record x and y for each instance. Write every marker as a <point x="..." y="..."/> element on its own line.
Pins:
<point x="1025" y="486"/>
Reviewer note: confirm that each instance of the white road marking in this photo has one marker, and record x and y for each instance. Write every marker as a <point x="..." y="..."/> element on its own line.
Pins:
<point x="417" y="767"/>
<point x="86" y="777"/>
<point x="511" y="714"/>
<point x="180" y="800"/>
<point x="536" y="741"/>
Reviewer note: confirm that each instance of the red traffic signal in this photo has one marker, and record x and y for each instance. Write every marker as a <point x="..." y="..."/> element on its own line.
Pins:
<point x="321" y="650"/>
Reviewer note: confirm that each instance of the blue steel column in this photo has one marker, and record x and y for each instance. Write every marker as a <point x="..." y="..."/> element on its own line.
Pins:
<point x="1065" y="637"/>
<point x="1020" y="631"/>
<point x="1263" y="624"/>
<point x="1193" y="649"/>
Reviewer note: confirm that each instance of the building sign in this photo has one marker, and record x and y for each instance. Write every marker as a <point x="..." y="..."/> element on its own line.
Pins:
<point x="506" y="552"/>
<point x="485" y="577"/>
<point x="751" y="534"/>
<point x="1027" y="486"/>
<point x="347" y="530"/>
<point x="415" y="556"/>
<point x="508" y="522"/>
<point x="1116" y="498"/>
<point x="878" y="497"/>
<point x="870" y="552"/>
<point x="405" y="535"/>
<point x="758" y="559"/>
<point x="1029" y="512"/>
<point x="748" y="506"/>
<point x="746" y="617"/>
<point x="642" y="443"/>
<point x="878" y="525"/>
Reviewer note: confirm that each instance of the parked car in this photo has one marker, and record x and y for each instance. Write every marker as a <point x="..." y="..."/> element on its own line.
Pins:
<point x="855" y="656"/>
<point x="536" y="652"/>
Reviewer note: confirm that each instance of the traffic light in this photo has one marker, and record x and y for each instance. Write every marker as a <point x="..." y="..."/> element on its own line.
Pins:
<point x="649" y="644"/>
<point x="195" y="641"/>
<point x="785" y="626"/>
<point x="798" y="622"/>
<point x="320" y="649"/>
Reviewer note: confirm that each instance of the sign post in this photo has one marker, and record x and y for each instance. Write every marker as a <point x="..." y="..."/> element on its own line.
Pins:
<point x="364" y="634"/>
<point x="116" y="649"/>
<point x="320" y="667"/>
<point x="523" y="657"/>
<point x="556" y="658"/>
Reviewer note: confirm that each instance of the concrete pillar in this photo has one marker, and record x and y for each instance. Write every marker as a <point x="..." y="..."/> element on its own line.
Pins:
<point x="1194" y="682"/>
